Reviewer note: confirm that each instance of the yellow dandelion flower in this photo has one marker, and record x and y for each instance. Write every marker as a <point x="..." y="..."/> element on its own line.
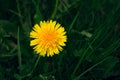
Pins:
<point x="48" y="38"/>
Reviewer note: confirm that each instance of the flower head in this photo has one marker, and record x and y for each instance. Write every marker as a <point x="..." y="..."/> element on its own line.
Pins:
<point x="48" y="38"/>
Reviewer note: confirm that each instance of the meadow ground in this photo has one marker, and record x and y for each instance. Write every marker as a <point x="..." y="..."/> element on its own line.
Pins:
<point x="92" y="50"/>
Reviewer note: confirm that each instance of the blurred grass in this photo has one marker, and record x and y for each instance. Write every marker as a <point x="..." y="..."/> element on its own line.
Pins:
<point x="92" y="51"/>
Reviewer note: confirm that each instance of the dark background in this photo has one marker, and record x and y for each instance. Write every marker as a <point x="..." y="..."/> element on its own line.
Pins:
<point x="93" y="45"/>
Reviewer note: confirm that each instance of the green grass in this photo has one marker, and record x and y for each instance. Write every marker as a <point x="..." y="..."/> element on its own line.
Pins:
<point x="92" y="49"/>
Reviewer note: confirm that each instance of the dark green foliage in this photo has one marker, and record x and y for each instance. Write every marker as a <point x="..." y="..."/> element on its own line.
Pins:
<point x="93" y="44"/>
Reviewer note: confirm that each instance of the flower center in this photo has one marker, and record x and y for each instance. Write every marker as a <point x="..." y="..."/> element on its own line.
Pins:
<point x="50" y="37"/>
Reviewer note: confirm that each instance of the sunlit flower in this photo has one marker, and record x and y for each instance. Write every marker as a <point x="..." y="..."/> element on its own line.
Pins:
<point x="48" y="38"/>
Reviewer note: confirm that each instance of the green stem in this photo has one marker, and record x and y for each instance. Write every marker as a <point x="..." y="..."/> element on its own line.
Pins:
<point x="36" y="63"/>
<point x="19" y="52"/>
<point x="55" y="9"/>
<point x="80" y="61"/>
<point x="78" y="78"/>
<point x="73" y="22"/>
<point x="19" y="11"/>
